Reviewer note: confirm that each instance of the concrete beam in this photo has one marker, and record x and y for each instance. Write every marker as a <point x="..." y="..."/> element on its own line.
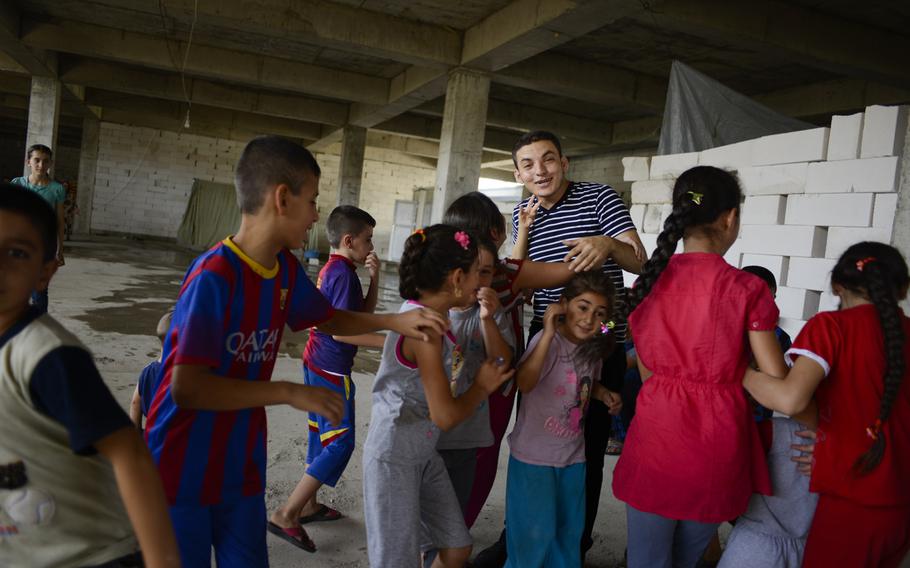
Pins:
<point x="121" y="79"/>
<point x="519" y="30"/>
<point x="523" y="118"/>
<point x="35" y="62"/>
<point x="798" y="34"/>
<point x="413" y="146"/>
<point x="204" y="61"/>
<point x="10" y="65"/>
<point x="564" y="76"/>
<point x="315" y="22"/>
<point x="204" y="120"/>
<point x="526" y="28"/>
<point x="839" y="95"/>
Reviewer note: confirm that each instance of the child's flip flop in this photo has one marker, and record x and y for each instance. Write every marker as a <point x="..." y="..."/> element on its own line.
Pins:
<point x="295" y="535"/>
<point x="324" y="514"/>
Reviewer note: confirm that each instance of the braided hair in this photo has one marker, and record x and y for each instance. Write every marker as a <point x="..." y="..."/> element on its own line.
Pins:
<point x="429" y="256"/>
<point x="878" y="272"/>
<point x="700" y="196"/>
<point x="600" y="346"/>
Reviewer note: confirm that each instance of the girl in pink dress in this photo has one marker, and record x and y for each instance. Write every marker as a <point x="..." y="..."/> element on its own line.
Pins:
<point x="692" y="456"/>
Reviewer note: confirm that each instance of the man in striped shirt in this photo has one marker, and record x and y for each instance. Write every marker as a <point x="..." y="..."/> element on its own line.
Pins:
<point x="587" y="225"/>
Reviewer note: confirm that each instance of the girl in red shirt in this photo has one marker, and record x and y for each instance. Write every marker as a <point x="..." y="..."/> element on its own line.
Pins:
<point x="692" y="456"/>
<point x="855" y="361"/>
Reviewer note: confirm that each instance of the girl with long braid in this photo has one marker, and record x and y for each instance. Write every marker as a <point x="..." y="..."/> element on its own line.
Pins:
<point x="692" y="457"/>
<point x="855" y="362"/>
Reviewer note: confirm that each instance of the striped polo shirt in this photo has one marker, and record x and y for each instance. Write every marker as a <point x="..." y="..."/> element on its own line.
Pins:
<point x="586" y="210"/>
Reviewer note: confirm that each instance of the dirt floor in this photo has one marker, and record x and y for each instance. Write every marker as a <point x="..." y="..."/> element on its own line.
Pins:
<point x="111" y="293"/>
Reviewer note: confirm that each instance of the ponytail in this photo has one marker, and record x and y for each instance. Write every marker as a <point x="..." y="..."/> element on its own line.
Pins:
<point x="878" y="271"/>
<point x="700" y="196"/>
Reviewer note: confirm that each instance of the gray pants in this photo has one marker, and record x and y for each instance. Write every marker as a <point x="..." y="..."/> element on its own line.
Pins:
<point x="403" y="502"/>
<point x="460" y="465"/>
<point x="659" y="542"/>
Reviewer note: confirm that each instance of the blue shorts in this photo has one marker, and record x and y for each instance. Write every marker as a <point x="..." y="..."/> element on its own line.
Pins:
<point x="236" y="530"/>
<point x="330" y="445"/>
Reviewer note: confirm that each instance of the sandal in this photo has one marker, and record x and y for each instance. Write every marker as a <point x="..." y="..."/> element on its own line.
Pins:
<point x="324" y="514"/>
<point x="294" y="535"/>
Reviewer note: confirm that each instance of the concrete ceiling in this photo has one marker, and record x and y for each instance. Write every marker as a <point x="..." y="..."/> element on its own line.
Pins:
<point x="595" y="71"/>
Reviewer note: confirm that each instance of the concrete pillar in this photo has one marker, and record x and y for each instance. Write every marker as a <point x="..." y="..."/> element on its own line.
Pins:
<point x="461" y="143"/>
<point x="900" y="237"/>
<point x="350" y="174"/>
<point x="43" y="113"/>
<point x="88" y="162"/>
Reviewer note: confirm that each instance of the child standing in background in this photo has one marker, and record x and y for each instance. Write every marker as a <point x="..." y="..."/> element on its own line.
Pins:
<point x="557" y="377"/>
<point x="327" y="362"/>
<point x="692" y="457"/>
<point x="148" y="380"/>
<point x="39" y="160"/>
<point x="856" y="363"/>
<point x="405" y="483"/>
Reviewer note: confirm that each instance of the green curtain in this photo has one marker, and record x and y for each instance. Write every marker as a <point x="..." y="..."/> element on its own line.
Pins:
<point x="211" y="215"/>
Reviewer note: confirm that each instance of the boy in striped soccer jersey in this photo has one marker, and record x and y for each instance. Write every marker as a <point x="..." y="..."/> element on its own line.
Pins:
<point x="206" y="426"/>
<point x="327" y="362"/>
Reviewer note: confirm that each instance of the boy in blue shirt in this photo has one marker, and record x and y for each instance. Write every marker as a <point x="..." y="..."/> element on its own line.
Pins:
<point x="328" y="361"/>
<point x="77" y="485"/>
<point x="206" y="425"/>
<point x="148" y="379"/>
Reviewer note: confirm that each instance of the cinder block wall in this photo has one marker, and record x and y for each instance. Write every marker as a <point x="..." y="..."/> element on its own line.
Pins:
<point x="603" y="168"/>
<point x="809" y="195"/>
<point x="144" y="178"/>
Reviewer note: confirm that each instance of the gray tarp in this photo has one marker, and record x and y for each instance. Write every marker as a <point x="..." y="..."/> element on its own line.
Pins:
<point x="701" y="113"/>
<point x="211" y="215"/>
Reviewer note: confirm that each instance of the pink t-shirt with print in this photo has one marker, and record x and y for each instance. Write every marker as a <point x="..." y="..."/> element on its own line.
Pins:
<point x="550" y="427"/>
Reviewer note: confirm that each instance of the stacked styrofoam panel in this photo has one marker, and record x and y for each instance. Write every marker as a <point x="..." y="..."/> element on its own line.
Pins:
<point x="808" y="195"/>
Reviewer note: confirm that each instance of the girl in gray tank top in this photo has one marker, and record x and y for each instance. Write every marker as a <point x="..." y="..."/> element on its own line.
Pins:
<point x="405" y="484"/>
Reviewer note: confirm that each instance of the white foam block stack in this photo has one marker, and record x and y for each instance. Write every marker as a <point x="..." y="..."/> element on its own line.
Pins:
<point x="809" y="195"/>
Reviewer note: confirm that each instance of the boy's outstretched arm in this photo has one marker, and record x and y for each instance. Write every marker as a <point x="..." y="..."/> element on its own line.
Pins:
<point x="195" y="386"/>
<point x="373" y="340"/>
<point x="417" y="324"/>
<point x="142" y="494"/>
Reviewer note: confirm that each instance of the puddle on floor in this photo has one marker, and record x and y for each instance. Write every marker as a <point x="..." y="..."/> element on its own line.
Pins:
<point x="139" y="305"/>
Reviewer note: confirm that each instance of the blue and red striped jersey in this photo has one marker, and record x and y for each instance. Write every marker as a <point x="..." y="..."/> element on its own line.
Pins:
<point x="230" y="315"/>
<point x="339" y="283"/>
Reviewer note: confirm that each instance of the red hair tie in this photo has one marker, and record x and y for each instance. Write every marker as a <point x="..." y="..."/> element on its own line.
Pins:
<point x="874" y="430"/>
<point x="861" y="263"/>
<point x="420" y="232"/>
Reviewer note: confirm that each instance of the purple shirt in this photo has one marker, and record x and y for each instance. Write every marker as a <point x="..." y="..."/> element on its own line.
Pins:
<point x="550" y="427"/>
<point x="338" y="282"/>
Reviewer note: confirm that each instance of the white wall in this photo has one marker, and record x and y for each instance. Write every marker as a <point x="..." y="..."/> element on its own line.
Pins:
<point x="144" y="177"/>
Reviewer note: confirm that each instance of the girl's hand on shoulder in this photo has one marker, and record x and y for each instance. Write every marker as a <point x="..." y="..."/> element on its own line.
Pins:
<point x="492" y="375"/>
<point x="422" y="324"/>
<point x="489" y="303"/>
<point x="551" y="317"/>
